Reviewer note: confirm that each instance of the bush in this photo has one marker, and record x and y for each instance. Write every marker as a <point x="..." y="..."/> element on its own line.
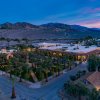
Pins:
<point x="81" y="73"/>
<point x="91" y="69"/>
<point x="84" y="72"/>
<point x="93" y="62"/>
<point x="73" y="78"/>
<point x="78" y="75"/>
<point x="99" y="68"/>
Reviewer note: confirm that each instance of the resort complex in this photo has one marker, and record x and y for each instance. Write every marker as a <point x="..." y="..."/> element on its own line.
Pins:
<point x="49" y="49"/>
<point x="43" y="63"/>
<point x="80" y="52"/>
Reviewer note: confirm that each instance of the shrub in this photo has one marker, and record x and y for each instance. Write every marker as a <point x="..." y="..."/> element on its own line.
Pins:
<point x="73" y="78"/>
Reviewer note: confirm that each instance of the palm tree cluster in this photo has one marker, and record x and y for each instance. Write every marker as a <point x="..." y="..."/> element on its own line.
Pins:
<point x="94" y="63"/>
<point x="44" y="64"/>
<point x="15" y="65"/>
<point x="40" y="63"/>
<point x="27" y="64"/>
<point x="80" y="92"/>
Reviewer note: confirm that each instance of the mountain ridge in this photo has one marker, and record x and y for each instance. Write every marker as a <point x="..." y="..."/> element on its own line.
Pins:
<point x="49" y="30"/>
<point x="25" y="24"/>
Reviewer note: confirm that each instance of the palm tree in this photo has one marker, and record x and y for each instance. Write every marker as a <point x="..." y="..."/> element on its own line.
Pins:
<point x="10" y="67"/>
<point x="3" y="61"/>
<point x="93" y="63"/>
<point x="20" y="70"/>
<point x="25" y="71"/>
<point x="81" y="91"/>
<point x="12" y="64"/>
<point x="94" y="95"/>
<point x="55" y="70"/>
<point x="64" y="61"/>
<point x="46" y="74"/>
<point x="46" y="65"/>
<point x="59" y="67"/>
<point x="76" y="90"/>
<point x="70" y="64"/>
<point x="39" y="72"/>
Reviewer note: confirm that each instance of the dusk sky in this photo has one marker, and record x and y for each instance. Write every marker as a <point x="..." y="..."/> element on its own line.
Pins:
<point x="80" y="12"/>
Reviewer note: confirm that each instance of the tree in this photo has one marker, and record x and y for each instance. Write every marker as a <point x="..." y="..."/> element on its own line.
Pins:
<point x="45" y="65"/>
<point x="25" y="72"/>
<point x="20" y="69"/>
<point x="81" y="91"/>
<point x="39" y="73"/>
<point x="93" y="63"/>
<point x="26" y="41"/>
<point x="94" y="95"/>
<point x="70" y="63"/>
<point x="10" y="67"/>
<point x="2" y="39"/>
<point x="76" y="90"/>
<point x="3" y="61"/>
<point x="88" y="38"/>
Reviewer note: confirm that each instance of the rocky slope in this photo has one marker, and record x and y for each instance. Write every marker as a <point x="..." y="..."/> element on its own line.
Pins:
<point x="45" y="31"/>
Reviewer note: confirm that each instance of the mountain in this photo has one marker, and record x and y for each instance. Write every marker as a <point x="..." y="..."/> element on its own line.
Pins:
<point x="80" y="28"/>
<point x="18" y="25"/>
<point x="95" y="28"/>
<point x="56" y="26"/>
<point x="46" y="31"/>
<point x="73" y="31"/>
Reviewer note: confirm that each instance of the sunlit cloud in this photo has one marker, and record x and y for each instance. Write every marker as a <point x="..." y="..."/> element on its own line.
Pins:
<point x="92" y="24"/>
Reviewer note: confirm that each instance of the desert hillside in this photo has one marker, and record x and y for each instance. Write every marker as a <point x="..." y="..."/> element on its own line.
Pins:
<point x="45" y="31"/>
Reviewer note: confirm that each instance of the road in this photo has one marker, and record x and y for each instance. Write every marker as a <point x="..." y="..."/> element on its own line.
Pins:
<point x="48" y="92"/>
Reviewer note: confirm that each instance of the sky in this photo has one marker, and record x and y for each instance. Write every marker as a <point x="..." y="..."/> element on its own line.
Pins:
<point x="74" y="12"/>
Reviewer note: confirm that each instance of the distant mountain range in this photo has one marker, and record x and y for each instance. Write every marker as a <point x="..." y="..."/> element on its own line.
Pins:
<point x="18" y="25"/>
<point x="46" y="31"/>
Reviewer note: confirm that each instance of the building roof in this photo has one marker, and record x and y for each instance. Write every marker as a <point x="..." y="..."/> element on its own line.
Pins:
<point x="74" y="48"/>
<point x="94" y="79"/>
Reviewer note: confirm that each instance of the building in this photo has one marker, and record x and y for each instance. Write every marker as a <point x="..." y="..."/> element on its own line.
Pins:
<point x="9" y="53"/>
<point x="79" y="52"/>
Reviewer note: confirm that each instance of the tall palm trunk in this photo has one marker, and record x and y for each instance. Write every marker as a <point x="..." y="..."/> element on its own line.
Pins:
<point x="13" y="89"/>
<point x="20" y="79"/>
<point x="46" y="77"/>
<point x="13" y="93"/>
<point x="10" y="75"/>
<point x="58" y="72"/>
<point x="70" y="67"/>
<point x="79" y="98"/>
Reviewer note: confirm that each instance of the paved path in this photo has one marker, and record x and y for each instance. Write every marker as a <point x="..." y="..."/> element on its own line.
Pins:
<point x="48" y="92"/>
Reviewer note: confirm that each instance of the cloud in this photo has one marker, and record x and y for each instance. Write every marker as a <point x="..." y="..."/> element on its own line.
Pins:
<point x="96" y="25"/>
<point x="91" y="24"/>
